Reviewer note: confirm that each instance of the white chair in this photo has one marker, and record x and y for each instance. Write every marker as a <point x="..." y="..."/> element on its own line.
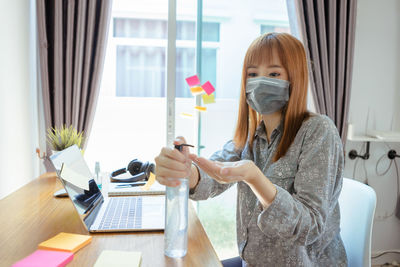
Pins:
<point x="357" y="208"/>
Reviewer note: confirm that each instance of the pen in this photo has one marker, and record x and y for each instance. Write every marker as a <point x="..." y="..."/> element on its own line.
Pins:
<point x="130" y="185"/>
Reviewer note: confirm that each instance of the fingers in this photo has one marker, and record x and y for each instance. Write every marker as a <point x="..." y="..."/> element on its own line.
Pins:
<point x="172" y="154"/>
<point x="193" y="157"/>
<point x="171" y="165"/>
<point x="166" y="171"/>
<point x="212" y="168"/>
<point x="208" y="165"/>
<point x="180" y="140"/>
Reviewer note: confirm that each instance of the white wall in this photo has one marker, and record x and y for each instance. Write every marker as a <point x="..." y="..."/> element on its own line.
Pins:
<point x="18" y="116"/>
<point x="376" y="86"/>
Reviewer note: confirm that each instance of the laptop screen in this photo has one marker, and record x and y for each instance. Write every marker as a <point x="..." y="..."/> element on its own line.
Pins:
<point x="78" y="182"/>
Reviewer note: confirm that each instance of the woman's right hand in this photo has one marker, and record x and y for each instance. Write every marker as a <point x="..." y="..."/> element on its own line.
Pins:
<point x="172" y="164"/>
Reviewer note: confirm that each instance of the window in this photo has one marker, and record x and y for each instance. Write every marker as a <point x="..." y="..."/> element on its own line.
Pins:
<point x="266" y="28"/>
<point x="141" y="55"/>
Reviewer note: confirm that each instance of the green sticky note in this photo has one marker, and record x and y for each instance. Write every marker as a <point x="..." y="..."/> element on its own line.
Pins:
<point x="109" y="258"/>
<point x="208" y="99"/>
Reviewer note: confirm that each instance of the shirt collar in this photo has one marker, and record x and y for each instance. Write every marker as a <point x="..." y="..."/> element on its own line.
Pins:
<point x="260" y="131"/>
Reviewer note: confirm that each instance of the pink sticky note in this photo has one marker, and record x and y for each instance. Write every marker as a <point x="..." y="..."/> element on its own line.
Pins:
<point x="208" y="88"/>
<point x="46" y="258"/>
<point x="193" y="80"/>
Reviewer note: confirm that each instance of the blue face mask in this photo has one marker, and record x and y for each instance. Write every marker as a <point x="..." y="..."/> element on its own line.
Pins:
<point x="267" y="95"/>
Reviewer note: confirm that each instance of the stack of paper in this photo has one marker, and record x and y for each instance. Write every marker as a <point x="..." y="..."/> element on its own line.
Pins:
<point x="119" y="258"/>
<point x="46" y="258"/>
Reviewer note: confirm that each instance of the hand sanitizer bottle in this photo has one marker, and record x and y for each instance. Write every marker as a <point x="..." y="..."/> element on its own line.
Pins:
<point x="176" y="217"/>
<point x="97" y="172"/>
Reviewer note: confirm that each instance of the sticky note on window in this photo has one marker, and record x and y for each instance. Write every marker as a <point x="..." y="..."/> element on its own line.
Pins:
<point x="187" y="115"/>
<point x="46" y="258"/>
<point x="196" y="90"/>
<point x="66" y="242"/>
<point x="193" y="81"/>
<point x="208" y="99"/>
<point x="200" y="108"/>
<point x="118" y="258"/>
<point x="208" y="88"/>
<point x="74" y="178"/>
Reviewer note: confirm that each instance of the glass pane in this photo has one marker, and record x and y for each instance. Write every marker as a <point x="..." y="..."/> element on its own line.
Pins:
<point x="266" y="29"/>
<point x="209" y="66"/>
<point x="140" y="71"/>
<point x="274" y="28"/>
<point x="157" y="29"/>
<point x="185" y="67"/>
<point x="210" y="31"/>
<point x="239" y="23"/>
<point x="130" y="120"/>
<point x="185" y="30"/>
<point x="140" y="28"/>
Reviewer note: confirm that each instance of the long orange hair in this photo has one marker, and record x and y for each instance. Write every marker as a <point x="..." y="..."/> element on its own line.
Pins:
<point x="292" y="55"/>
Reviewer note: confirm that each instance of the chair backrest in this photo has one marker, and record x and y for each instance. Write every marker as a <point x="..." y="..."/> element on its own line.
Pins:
<point x="357" y="203"/>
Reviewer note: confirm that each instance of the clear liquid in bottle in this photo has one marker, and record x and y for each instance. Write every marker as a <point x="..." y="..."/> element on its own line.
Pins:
<point x="176" y="220"/>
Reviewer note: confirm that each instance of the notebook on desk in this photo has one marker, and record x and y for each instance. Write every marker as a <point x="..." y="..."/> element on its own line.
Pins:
<point x="135" y="189"/>
<point x="99" y="214"/>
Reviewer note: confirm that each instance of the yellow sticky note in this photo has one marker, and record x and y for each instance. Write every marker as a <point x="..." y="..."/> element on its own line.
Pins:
<point x="149" y="183"/>
<point x="187" y="115"/>
<point x="66" y="242"/>
<point x="208" y="99"/>
<point x="200" y="108"/>
<point x="196" y="90"/>
<point x="119" y="258"/>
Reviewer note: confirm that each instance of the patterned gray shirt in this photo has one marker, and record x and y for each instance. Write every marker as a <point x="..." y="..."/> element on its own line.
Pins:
<point x="301" y="226"/>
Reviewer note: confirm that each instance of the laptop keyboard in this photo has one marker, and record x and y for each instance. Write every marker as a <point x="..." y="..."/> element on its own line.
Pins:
<point x="122" y="213"/>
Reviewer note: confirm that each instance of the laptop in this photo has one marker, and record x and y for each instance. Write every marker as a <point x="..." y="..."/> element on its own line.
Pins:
<point x="103" y="214"/>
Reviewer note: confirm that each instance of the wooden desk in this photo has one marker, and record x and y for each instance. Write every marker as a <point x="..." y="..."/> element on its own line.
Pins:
<point x="32" y="215"/>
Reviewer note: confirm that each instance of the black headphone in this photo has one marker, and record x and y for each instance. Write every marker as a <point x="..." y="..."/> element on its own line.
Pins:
<point x="138" y="170"/>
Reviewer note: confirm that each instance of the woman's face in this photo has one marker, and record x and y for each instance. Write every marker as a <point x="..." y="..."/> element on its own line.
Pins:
<point x="272" y="69"/>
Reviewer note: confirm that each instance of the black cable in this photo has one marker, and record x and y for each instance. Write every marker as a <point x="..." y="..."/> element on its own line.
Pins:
<point x="354" y="169"/>
<point x="355" y="163"/>
<point x="377" y="163"/>
<point x="365" y="173"/>
<point x="397" y="181"/>
<point x="397" y="173"/>
<point x="383" y="253"/>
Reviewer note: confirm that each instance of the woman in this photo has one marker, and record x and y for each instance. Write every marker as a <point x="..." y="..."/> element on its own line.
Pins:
<point x="287" y="164"/>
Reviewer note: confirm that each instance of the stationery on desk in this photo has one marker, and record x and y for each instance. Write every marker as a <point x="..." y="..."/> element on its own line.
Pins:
<point x="119" y="258"/>
<point x="66" y="242"/>
<point x="45" y="258"/>
<point x="56" y="251"/>
<point x="151" y="187"/>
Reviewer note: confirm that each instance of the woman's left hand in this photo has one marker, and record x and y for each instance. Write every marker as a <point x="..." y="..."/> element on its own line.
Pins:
<point x="229" y="172"/>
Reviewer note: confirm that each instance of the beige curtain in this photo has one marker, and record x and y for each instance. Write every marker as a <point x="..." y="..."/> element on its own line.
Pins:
<point x="72" y="37"/>
<point x="328" y="32"/>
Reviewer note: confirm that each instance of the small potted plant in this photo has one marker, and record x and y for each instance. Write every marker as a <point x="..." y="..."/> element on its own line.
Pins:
<point x="63" y="137"/>
<point x="60" y="138"/>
